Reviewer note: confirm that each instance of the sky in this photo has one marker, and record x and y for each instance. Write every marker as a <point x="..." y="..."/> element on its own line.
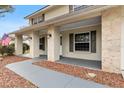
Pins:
<point x="15" y="20"/>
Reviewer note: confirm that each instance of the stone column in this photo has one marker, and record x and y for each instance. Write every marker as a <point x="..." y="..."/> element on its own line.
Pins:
<point x="111" y="39"/>
<point x="53" y="44"/>
<point x="34" y="46"/>
<point x="122" y="40"/>
<point x="122" y="49"/>
<point x="18" y="44"/>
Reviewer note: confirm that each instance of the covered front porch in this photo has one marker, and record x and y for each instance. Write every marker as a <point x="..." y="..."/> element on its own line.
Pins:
<point x="58" y="41"/>
<point x="97" y="30"/>
<point x="57" y="45"/>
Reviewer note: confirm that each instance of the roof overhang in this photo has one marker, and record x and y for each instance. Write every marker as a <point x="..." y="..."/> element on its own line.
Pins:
<point x="67" y="18"/>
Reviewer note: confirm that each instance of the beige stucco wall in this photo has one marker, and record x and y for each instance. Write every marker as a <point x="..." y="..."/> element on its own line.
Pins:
<point x="112" y="20"/>
<point x="122" y="39"/>
<point x="60" y="10"/>
<point x="80" y="54"/>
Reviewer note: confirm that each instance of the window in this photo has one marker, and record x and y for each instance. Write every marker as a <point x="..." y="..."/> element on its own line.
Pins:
<point x="61" y="40"/>
<point x="82" y="42"/>
<point x="79" y="7"/>
<point x="38" y="19"/>
<point x="42" y="43"/>
<point x="34" y="21"/>
<point x="41" y="19"/>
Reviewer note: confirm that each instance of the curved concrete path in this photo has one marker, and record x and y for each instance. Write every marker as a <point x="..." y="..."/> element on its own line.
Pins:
<point x="46" y="78"/>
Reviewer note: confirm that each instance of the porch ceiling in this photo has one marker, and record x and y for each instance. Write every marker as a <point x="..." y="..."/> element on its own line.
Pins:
<point x="82" y="23"/>
<point x="92" y="11"/>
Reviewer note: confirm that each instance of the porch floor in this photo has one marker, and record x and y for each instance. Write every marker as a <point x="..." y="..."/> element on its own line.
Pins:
<point x="73" y="61"/>
<point x="81" y="62"/>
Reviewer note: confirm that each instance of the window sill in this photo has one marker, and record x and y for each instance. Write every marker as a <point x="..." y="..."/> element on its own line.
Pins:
<point x="82" y="51"/>
<point x="87" y="52"/>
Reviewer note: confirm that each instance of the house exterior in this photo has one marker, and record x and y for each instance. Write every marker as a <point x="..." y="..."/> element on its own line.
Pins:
<point x="92" y="32"/>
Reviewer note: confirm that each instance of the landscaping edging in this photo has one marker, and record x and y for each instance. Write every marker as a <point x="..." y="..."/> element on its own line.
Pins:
<point x="110" y="79"/>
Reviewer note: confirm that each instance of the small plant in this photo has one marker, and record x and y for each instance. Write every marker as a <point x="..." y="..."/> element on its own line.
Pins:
<point x="2" y="50"/>
<point x="10" y="50"/>
<point x="5" y="48"/>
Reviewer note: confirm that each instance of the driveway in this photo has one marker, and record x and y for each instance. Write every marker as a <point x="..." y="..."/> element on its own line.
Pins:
<point x="46" y="78"/>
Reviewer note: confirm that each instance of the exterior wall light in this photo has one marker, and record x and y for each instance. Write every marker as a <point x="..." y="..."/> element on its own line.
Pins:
<point x="49" y="35"/>
<point x="30" y="38"/>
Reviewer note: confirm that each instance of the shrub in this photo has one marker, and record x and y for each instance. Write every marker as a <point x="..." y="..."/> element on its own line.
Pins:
<point x="12" y="45"/>
<point x="2" y="50"/>
<point x="6" y="50"/>
<point x="25" y="47"/>
<point x="10" y="50"/>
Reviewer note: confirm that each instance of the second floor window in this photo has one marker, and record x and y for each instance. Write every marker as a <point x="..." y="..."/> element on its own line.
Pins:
<point x="41" y="18"/>
<point x="38" y="19"/>
<point x="34" y="21"/>
<point x="79" y="7"/>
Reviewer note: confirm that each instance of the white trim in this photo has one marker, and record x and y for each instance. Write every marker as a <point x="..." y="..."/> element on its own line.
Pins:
<point x="88" y="42"/>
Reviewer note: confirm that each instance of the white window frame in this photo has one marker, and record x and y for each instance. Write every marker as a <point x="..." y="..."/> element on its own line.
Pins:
<point x="34" y="21"/>
<point x="76" y="6"/>
<point x="37" y="19"/>
<point x="42" y="44"/>
<point x="89" y="41"/>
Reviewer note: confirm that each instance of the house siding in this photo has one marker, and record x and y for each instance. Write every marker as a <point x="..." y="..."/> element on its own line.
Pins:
<point x="111" y="39"/>
<point x="61" y="10"/>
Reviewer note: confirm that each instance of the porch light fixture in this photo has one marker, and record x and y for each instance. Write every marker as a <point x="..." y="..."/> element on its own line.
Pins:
<point x="49" y="35"/>
<point x="30" y="38"/>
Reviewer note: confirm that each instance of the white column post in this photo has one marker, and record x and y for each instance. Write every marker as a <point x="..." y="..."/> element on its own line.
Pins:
<point x="34" y="46"/>
<point x="122" y="40"/>
<point x="18" y="44"/>
<point x="53" y="44"/>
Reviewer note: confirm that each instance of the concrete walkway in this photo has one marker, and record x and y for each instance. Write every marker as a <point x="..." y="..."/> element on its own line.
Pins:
<point x="45" y="78"/>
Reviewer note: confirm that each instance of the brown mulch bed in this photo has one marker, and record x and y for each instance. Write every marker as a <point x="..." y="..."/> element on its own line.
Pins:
<point x="110" y="79"/>
<point x="9" y="79"/>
